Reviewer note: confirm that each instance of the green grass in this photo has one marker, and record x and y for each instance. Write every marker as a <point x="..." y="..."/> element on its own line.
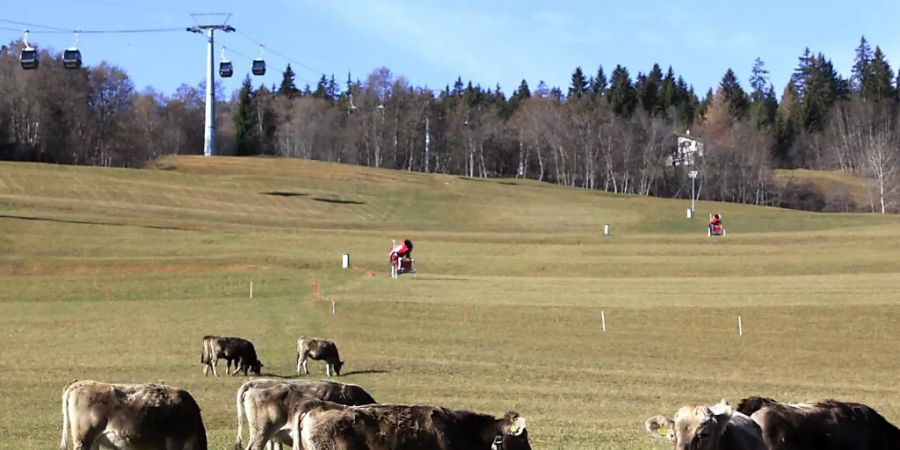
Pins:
<point x="115" y="275"/>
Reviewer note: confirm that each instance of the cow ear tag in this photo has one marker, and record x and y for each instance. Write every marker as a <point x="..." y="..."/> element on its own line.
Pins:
<point x="663" y="431"/>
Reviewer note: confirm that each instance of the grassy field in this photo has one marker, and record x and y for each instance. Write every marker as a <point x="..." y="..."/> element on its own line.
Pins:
<point x="115" y="275"/>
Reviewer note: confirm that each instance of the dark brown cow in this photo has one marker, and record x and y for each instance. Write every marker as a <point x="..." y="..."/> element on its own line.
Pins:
<point x="267" y="404"/>
<point x="825" y="425"/>
<point x="234" y="350"/>
<point x="319" y="350"/>
<point x="398" y="427"/>
<point x="126" y="416"/>
<point x="701" y="427"/>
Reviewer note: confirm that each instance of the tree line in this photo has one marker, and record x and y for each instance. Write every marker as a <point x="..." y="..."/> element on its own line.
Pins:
<point x="609" y="131"/>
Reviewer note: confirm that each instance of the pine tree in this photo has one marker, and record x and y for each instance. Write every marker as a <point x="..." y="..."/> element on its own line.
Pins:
<point x="332" y="93"/>
<point x="861" y="66"/>
<point x="761" y="112"/>
<point x="648" y="92"/>
<point x="734" y="95"/>
<point x="598" y="84"/>
<point x="287" y="87"/>
<point x="621" y="93"/>
<point x="668" y="93"/>
<point x="788" y="123"/>
<point x="321" y="88"/>
<point x="881" y="75"/>
<point x="579" y="84"/>
<point x="458" y="87"/>
<point x="759" y="79"/>
<point x="519" y="96"/>
<point x="245" y="123"/>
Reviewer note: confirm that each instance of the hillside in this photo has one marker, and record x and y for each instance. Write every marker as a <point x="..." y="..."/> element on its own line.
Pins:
<point x="116" y="274"/>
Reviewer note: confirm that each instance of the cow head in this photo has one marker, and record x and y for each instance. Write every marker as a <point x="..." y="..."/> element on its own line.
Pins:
<point x="337" y="367"/>
<point x="695" y="427"/>
<point x="511" y="433"/>
<point x="256" y="367"/>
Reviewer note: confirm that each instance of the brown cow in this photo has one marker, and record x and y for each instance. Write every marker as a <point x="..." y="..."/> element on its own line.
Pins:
<point x="701" y="427"/>
<point x="319" y="350"/>
<point x="825" y="425"/>
<point x="398" y="427"/>
<point x="234" y="350"/>
<point x="267" y="404"/>
<point x="126" y="416"/>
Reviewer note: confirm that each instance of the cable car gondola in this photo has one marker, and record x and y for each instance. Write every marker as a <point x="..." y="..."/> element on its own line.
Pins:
<point x="225" y="67"/>
<point x="28" y="58"/>
<point x="72" y="56"/>
<point x="259" y="64"/>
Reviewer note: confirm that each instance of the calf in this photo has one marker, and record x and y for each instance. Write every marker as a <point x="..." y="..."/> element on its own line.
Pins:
<point x="126" y="416"/>
<point x="268" y="405"/>
<point x="399" y="427"/>
<point x="319" y="350"/>
<point x="700" y="427"/>
<point x="234" y="350"/>
<point x="825" y="425"/>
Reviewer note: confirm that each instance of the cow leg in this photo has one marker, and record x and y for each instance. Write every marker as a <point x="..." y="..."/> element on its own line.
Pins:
<point x="328" y="369"/>
<point x="214" y="362"/>
<point x="305" y="362"/>
<point x="299" y="363"/>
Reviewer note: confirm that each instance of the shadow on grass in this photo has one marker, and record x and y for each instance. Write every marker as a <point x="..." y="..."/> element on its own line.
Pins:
<point x="489" y="180"/>
<point x="338" y="201"/>
<point x="365" y="371"/>
<point x="286" y="194"/>
<point x="88" y="222"/>
<point x="279" y="376"/>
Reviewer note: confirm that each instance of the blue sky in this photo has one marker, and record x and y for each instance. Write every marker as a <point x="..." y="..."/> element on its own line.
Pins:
<point x="433" y="42"/>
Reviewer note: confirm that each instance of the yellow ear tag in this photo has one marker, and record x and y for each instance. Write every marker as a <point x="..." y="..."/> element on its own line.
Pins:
<point x="514" y="429"/>
<point x="662" y="431"/>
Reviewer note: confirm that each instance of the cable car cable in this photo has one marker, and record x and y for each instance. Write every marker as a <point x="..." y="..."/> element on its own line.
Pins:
<point x="288" y="58"/>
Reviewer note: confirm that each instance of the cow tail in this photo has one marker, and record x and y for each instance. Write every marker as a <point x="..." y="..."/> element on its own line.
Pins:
<point x="65" y="425"/>
<point x="238" y="403"/>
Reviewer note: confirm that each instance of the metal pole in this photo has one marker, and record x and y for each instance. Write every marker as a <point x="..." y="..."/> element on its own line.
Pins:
<point x="692" y="196"/>
<point x="209" y="135"/>
<point x="427" y="141"/>
<point x="209" y="132"/>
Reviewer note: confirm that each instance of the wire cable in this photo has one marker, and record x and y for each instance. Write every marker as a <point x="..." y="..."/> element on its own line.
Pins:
<point x="288" y="58"/>
<point x="54" y="30"/>
<point x="251" y="58"/>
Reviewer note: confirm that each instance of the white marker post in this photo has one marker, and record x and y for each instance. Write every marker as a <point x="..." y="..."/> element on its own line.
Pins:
<point x="740" y="326"/>
<point x="332" y="306"/>
<point x="603" y="320"/>
<point x="251" y="290"/>
<point x="606" y="229"/>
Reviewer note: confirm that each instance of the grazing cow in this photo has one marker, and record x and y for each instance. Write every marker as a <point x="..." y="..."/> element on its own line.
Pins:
<point x="319" y="350"/>
<point x="701" y="427"/>
<point x="397" y="427"/>
<point x="825" y="425"/>
<point x="267" y="404"/>
<point x="129" y="416"/>
<point x="234" y="350"/>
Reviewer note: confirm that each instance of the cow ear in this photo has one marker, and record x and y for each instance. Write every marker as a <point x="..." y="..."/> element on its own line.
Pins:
<point x="517" y="427"/>
<point x="660" y="427"/>
<point x="723" y="413"/>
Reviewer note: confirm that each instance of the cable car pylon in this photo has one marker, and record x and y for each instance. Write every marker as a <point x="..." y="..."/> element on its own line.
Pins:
<point x="209" y="134"/>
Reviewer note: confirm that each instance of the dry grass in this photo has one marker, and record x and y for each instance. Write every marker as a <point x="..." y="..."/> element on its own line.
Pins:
<point x="116" y="275"/>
